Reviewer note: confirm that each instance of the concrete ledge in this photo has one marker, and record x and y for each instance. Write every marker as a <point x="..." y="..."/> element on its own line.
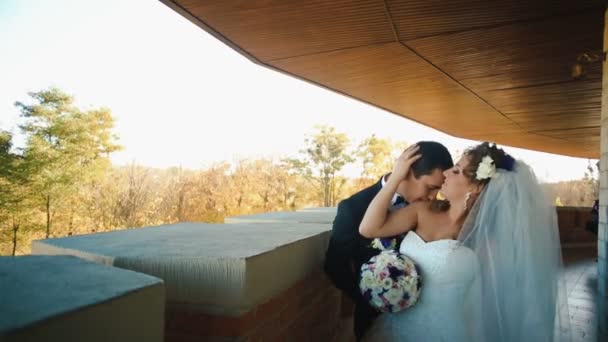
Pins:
<point x="309" y="215"/>
<point x="218" y="269"/>
<point x="64" y="298"/>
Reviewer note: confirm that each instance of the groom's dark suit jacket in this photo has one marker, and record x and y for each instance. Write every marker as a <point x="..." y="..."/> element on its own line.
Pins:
<point x="348" y="250"/>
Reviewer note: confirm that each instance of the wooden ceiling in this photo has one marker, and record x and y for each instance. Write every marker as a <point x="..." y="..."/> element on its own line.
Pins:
<point x="480" y="69"/>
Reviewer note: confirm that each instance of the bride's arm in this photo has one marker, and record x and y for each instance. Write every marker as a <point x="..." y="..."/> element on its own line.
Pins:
<point x="375" y="222"/>
<point x="397" y="222"/>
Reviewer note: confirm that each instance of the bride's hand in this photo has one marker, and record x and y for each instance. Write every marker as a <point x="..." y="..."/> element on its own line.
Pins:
<point x="404" y="162"/>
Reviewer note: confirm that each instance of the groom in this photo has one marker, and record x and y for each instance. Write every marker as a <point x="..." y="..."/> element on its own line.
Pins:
<point x="348" y="250"/>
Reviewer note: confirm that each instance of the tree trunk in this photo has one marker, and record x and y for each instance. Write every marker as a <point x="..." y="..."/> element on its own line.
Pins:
<point x="71" y="223"/>
<point x="180" y="206"/>
<point x="48" y="215"/>
<point x="326" y="190"/>
<point x="293" y="205"/>
<point x="266" y="200"/>
<point x="15" y="230"/>
<point x="332" y="193"/>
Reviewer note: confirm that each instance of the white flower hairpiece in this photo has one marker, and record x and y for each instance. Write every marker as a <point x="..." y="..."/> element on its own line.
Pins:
<point x="486" y="168"/>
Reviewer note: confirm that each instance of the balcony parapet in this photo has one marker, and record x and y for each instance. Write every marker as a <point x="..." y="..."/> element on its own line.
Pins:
<point x="63" y="298"/>
<point x="218" y="269"/>
<point x="309" y="215"/>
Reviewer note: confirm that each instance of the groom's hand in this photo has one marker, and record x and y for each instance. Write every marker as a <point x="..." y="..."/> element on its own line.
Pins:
<point x="404" y="162"/>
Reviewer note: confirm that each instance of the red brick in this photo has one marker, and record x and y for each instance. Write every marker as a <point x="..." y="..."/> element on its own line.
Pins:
<point x="199" y="324"/>
<point x="297" y="288"/>
<point x="171" y="337"/>
<point x="267" y="331"/>
<point x="317" y="282"/>
<point x="347" y="306"/>
<point x="272" y="307"/>
<point x="308" y="311"/>
<point x="289" y="314"/>
<point x="306" y="299"/>
<point x="284" y="336"/>
<point x="307" y="317"/>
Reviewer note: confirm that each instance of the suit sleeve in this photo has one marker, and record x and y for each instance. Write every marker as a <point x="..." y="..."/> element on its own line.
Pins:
<point x="341" y="251"/>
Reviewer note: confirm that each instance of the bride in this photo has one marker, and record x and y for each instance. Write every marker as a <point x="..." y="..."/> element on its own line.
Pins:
<point x="490" y="255"/>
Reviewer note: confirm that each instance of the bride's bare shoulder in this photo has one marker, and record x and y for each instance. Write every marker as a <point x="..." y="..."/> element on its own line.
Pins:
<point x="433" y="208"/>
<point x="421" y="207"/>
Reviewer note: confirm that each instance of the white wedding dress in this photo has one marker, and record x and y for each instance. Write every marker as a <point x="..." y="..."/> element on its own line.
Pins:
<point x="501" y="281"/>
<point x="449" y="274"/>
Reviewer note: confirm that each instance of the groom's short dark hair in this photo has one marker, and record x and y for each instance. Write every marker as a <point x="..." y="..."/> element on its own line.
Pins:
<point x="434" y="156"/>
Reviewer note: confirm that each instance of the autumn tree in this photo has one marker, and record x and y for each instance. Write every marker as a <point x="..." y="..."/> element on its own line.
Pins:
<point x="66" y="146"/>
<point x="377" y="156"/>
<point x="15" y="193"/>
<point x="592" y="178"/>
<point x="325" y="154"/>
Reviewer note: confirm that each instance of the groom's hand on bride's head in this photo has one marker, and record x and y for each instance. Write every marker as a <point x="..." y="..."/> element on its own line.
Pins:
<point x="404" y="162"/>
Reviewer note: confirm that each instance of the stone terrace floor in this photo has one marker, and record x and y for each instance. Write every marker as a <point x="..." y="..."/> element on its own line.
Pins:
<point x="581" y="275"/>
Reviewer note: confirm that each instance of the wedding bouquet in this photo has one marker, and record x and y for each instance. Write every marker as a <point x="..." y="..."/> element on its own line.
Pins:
<point x="390" y="281"/>
<point x="384" y="244"/>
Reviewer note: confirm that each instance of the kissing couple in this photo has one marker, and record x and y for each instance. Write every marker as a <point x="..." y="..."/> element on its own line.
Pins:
<point x="489" y="253"/>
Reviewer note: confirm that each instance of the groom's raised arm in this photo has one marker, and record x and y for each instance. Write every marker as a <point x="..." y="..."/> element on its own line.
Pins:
<point x="341" y="251"/>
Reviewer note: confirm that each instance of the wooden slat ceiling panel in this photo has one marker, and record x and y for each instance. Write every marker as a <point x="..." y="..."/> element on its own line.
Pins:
<point x="557" y="120"/>
<point x="272" y="30"/>
<point x="562" y="97"/>
<point x="577" y="134"/>
<point x="524" y="70"/>
<point x="486" y="70"/>
<point x="545" y="144"/>
<point x="581" y="142"/>
<point x="516" y="55"/>
<point x="415" y="19"/>
<point x="402" y="83"/>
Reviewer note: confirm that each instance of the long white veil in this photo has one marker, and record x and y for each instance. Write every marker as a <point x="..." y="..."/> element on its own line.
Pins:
<point x="520" y="294"/>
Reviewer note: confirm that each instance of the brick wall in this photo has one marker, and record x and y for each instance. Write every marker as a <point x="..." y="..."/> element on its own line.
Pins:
<point x="571" y="221"/>
<point x="311" y="310"/>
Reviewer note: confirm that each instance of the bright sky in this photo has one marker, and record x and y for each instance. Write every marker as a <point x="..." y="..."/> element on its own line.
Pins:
<point x="179" y="96"/>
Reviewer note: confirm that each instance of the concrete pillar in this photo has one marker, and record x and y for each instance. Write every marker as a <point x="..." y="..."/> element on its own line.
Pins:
<point x="603" y="225"/>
